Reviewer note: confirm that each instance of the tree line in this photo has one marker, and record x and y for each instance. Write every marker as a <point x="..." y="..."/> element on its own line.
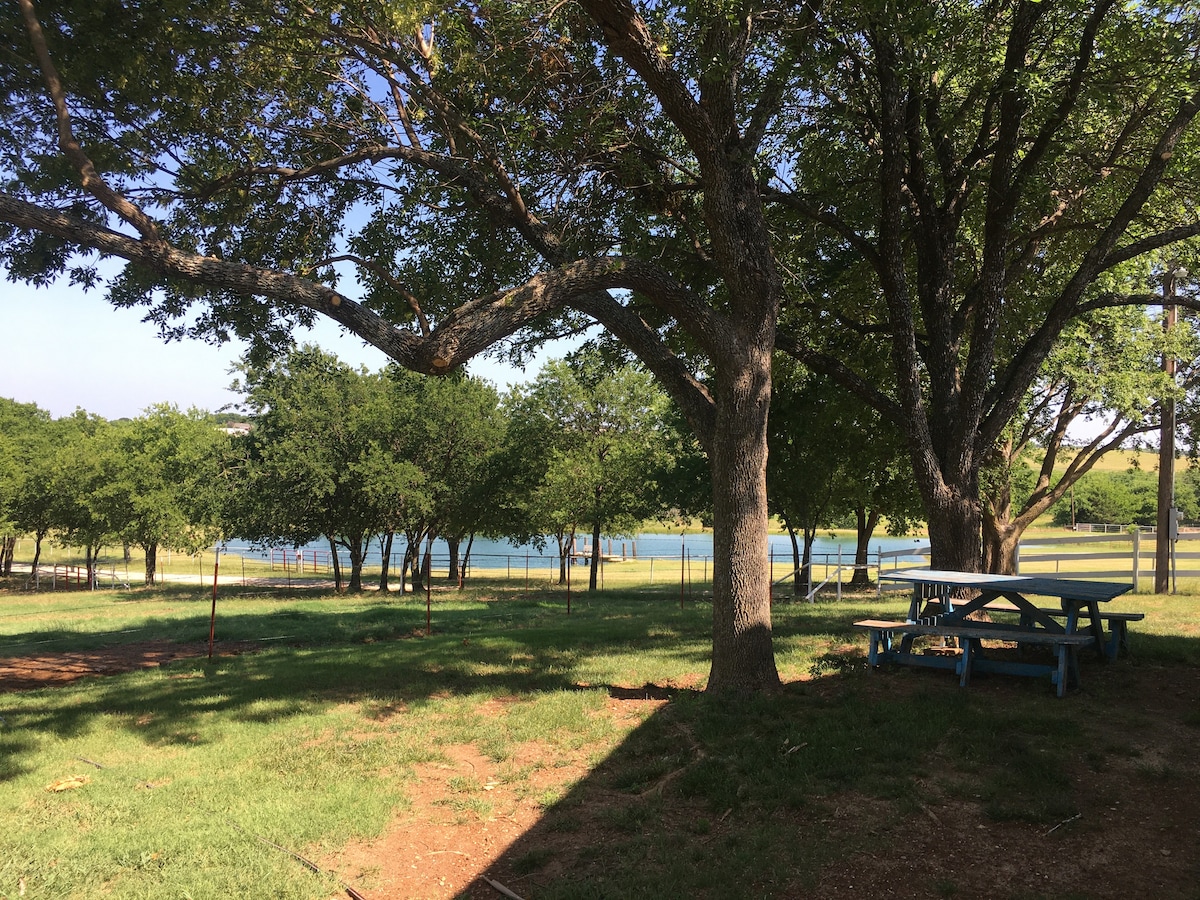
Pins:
<point x="351" y="457"/>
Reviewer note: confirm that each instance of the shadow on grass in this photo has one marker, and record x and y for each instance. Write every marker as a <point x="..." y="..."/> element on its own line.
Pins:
<point x="770" y="796"/>
<point x="329" y="653"/>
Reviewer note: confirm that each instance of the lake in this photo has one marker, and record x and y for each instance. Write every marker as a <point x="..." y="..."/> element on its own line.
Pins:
<point x="489" y="553"/>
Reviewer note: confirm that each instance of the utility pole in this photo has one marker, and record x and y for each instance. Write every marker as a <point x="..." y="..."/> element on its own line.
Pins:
<point x="1166" y="454"/>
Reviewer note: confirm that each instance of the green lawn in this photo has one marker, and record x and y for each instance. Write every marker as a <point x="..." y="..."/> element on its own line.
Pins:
<point x="314" y="740"/>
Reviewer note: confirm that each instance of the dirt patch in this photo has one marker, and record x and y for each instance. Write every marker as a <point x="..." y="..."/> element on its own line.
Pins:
<point x="24" y="673"/>
<point x="1136" y="830"/>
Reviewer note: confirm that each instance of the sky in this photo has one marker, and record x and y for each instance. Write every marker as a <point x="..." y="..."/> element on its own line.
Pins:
<point x="65" y="349"/>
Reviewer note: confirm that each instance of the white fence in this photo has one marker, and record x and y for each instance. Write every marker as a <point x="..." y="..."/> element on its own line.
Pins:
<point x="1116" y="557"/>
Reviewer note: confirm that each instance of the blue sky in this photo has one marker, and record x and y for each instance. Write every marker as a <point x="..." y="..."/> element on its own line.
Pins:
<point x="64" y="348"/>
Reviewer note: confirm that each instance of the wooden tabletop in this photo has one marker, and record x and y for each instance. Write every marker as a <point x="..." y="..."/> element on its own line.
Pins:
<point x="1042" y="585"/>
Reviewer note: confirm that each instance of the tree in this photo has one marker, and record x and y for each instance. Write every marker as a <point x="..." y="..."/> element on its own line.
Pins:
<point x="601" y="446"/>
<point x="502" y="171"/>
<point x="805" y="467"/>
<point x="308" y="457"/>
<point x="1000" y="170"/>
<point x="1114" y="498"/>
<point x="528" y="159"/>
<point x="75" y="481"/>
<point x="452" y="429"/>
<point x="24" y="445"/>
<point x="1105" y="369"/>
<point x="154" y="478"/>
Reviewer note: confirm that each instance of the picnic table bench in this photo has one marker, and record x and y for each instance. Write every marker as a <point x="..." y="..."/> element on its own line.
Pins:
<point x="947" y="608"/>
<point x="1117" y="643"/>
<point x="1064" y="672"/>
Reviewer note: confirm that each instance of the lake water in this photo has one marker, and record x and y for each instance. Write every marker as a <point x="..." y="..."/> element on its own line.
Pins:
<point x="488" y="553"/>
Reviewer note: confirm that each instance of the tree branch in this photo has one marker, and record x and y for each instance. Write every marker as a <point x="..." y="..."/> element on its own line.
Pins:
<point x="70" y="147"/>
<point x="1151" y="243"/>
<point x="834" y="368"/>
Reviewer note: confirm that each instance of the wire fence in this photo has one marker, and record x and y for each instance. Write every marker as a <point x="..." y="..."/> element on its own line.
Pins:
<point x="1127" y="556"/>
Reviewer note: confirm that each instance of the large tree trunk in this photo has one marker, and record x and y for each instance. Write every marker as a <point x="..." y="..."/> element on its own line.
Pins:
<point x="865" y="524"/>
<point x="743" y="658"/>
<point x="955" y="526"/>
<point x="1000" y="542"/>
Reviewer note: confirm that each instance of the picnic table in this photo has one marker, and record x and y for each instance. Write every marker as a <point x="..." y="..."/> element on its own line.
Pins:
<point x="942" y="602"/>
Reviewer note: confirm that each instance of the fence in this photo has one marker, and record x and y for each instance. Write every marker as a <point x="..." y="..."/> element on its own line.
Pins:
<point x="1129" y="556"/>
<point x="61" y="577"/>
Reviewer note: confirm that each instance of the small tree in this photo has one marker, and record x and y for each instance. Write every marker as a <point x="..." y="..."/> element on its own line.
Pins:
<point x="25" y="448"/>
<point x="304" y="477"/>
<point x="153" y="478"/>
<point x="604" y="448"/>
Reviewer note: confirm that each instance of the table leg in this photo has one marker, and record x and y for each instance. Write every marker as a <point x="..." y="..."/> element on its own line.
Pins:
<point x="1097" y="625"/>
<point x="969" y="648"/>
<point x="1064" y="652"/>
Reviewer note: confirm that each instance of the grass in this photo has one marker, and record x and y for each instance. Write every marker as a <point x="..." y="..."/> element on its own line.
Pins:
<point x="314" y="741"/>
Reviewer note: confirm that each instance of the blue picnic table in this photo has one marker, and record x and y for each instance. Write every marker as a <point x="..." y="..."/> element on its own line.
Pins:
<point x="943" y="601"/>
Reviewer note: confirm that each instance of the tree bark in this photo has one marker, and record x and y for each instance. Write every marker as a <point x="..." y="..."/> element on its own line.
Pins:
<point x="452" y="567"/>
<point x="465" y="561"/>
<point x="151" y="563"/>
<point x="337" y="565"/>
<point x="356" y="565"/>
<point x="797" y="568"/>
<point x="866" y="521"/>
<point x="1000" y="542"/>
<point x="89" y="559"/>
<point x="385" y="558"/>
<point x="595" y="562"/>
<point x="564" y="548"/>
<point x="743" y="658"/>
<point x="37" y="550"/>
<point x="955" y="531"/>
